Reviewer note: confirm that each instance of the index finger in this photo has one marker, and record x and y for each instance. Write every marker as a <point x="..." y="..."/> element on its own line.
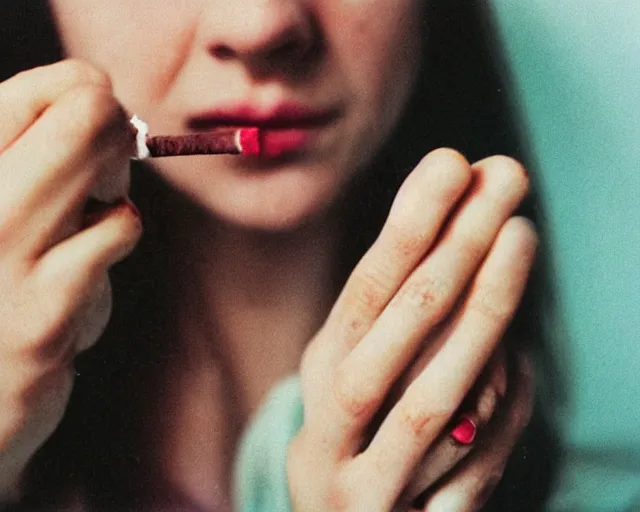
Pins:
<point x="25" y="96"/>
<point x="417" y="215"/>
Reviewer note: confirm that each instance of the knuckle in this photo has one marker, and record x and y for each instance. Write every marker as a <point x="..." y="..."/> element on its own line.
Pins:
<point x="473" y="245"/>
<point x="39" y="341"/>
<point x="370" y="285"/>
<point x="490" y="303"/>
<point x="78" y="71"/>
<point x="43" y="341"/>
<point x="421" y="417"/>
<point x="352" y="396"/>
<point x="417" y="422"/>
<point x="402" y="243"/>
<point x="428" y="293"/>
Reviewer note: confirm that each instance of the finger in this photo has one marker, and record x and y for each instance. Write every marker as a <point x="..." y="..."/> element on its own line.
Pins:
<point x="369" y="371"/>
<point x="76" y="266"/>
<point x="40" y="87"/>
<point x="86" y="136"/>
<point x="92" y="319"/>
<point x="440" y="459"/>
<point x="470" y="486"/>
<point x="475" y="330"/>
<point x="457" y="441"/>
<point x="420" y="208"/>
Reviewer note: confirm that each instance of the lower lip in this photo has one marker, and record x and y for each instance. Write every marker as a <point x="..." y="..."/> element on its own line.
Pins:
<point x="275" y="143"/>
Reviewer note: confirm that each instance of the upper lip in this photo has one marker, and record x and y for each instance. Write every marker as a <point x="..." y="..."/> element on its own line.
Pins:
<point x="282" y="115"/>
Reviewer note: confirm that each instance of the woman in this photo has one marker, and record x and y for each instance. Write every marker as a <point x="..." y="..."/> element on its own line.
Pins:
<point x="247" y="263"/>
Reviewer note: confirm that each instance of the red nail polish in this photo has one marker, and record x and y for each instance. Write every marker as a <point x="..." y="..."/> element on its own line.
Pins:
<point x="465" y="431"/>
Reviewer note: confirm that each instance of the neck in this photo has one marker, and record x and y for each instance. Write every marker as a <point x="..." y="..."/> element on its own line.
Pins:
<point x="259" y="297"/>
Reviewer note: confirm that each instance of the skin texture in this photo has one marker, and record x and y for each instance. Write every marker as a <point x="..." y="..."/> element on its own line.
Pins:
<point x="350" y="41"/>
<point x="411" y="342"/>
<point x="403" y="290"/>
<point x="53" y="276"/>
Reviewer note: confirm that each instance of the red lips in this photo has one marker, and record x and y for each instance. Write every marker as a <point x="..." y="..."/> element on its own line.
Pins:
<point x="285" y="129"/>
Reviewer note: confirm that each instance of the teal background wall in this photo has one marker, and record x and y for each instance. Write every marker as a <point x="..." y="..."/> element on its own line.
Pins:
<point x="576" y="67"/>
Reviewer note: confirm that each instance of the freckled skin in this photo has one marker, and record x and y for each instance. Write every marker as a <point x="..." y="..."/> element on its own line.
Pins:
<point x="159" y="56"/>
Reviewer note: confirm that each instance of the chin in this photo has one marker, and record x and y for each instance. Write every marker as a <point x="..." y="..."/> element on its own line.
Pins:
<point x="276" y="220"/>
<point x="274" y="201"/>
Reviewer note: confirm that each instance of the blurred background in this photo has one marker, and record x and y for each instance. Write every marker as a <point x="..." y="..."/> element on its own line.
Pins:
<point x="575" y="66"/>
<point x="576" y="69"/>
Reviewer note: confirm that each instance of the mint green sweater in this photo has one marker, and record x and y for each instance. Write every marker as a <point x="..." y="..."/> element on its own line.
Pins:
<point x="261" y="471"/>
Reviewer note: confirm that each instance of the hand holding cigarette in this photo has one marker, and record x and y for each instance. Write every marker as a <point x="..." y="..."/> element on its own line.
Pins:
<point x="63" y="139"/>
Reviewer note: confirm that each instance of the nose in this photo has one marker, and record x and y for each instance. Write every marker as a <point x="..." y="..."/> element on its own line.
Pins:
<point x="261" y="33"/>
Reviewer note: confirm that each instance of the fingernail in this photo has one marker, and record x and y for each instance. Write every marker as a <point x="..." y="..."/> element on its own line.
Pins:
<point x="465" y="431"/>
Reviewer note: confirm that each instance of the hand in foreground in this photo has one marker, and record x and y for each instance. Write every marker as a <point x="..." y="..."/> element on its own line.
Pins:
<point x="430" y="300"/>
<point x="63" y="139"/>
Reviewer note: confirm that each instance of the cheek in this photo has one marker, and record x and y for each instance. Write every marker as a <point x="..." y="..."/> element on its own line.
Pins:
<point x="377" y="45"/>
<point x="142" y="44"/>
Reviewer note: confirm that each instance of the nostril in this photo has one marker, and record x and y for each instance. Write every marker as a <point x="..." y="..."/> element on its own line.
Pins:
<point x="222" y="52"/>
<point x="288" y="49"/>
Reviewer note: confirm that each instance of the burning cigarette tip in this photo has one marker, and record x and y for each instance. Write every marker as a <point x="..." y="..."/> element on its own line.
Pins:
<point x="249" y="141"/>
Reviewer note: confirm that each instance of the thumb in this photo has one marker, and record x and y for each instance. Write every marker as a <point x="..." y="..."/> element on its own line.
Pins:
<point x="112" y="184"/>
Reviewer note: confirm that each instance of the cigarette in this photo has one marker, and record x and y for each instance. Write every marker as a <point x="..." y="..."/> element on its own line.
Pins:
<point x="219" y="141"/>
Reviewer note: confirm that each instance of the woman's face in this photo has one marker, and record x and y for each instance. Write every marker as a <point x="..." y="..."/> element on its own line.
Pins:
<point x="325" y="79"/>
